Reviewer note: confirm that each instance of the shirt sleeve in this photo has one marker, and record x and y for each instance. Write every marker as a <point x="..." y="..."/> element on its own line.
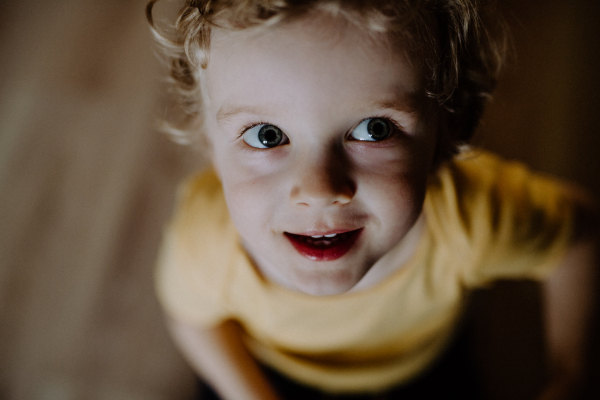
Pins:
<point x="194" y="263"/>
<point x="502" y="220"/>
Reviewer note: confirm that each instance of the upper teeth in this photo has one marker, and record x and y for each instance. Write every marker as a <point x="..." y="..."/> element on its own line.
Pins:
<point x="320" y="236"/>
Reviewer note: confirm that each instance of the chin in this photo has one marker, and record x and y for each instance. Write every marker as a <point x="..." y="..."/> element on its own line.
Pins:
<point x="325" y="285"/>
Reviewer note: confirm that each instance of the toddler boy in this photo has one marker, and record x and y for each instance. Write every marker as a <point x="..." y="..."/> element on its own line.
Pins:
<point x="340" y="228"/>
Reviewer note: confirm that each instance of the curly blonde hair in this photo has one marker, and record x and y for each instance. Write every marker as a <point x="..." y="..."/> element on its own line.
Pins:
<point x="459" y="45"/>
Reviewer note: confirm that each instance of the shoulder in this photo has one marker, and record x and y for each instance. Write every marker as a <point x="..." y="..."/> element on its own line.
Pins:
<point x="201" y="226"/>
<point x="198" y="252"/>
<point x="507" y="220"/>
<point x="479" y="173"/>
<point x="200" y="200"/>
<point x="478" y="184"/>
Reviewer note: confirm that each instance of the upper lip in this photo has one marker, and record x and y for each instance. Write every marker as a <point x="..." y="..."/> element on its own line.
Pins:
<point x="322" y="232"/>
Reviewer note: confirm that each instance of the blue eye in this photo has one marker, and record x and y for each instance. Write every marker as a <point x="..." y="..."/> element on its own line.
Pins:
<point x="372" y="130"/>
<point x="264" y="136"/>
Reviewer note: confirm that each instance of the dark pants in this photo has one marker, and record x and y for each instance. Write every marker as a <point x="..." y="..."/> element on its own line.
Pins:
<point x="452" y="376"/>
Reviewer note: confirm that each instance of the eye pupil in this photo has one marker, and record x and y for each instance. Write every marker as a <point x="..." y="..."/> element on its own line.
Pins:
<point x="378" y="128"/>
<point x="270" y="136"/>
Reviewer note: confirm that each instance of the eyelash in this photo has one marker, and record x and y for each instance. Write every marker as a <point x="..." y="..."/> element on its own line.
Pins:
<point x="246" y="147"/>
<point x="247" y="127"/>
<point x="395" y="126"/>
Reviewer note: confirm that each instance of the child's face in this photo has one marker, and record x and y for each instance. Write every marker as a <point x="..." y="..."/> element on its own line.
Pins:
<point x="317" y="129"/>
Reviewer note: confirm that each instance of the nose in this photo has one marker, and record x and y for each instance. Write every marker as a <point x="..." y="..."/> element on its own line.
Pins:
<point x="322" y="180"/>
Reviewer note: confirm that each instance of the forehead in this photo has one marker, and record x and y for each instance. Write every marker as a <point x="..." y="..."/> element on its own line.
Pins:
<point x="319" y="58"/>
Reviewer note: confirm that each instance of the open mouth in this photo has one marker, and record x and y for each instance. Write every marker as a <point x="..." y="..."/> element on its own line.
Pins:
<point x="324" y="247"/>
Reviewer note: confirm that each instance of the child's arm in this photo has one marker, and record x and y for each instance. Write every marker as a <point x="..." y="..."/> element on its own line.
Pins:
<point x="220" y="358"/>
<point x="569" y="300"/>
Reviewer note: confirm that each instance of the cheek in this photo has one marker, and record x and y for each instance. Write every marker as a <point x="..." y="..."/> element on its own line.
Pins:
<point x="394" y="190"/>
<point x="251" y="205"/>
<point x="400" y="153"/>
<point x="395" y="207"/>
<point x="397" y="199"/>
<point x="401" y="169"/>
<point x="243" y="163"/>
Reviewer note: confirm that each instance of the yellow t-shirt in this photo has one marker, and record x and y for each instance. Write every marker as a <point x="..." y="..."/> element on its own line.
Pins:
<point x="485" y="219"/>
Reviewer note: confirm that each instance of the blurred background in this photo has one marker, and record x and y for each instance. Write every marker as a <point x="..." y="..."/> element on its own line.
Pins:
<point x="87" y="183"/>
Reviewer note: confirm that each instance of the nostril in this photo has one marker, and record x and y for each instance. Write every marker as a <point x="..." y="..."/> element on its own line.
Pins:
<point x="345" y="193"/>
<point x="318" y="186"/>
<point x="342" y="199"/>
<point x="304" y="198"/>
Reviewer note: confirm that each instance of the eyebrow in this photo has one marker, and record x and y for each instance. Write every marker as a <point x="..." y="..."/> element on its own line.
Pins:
<point x="226" y="113"/>
<point x="407" y="103"/>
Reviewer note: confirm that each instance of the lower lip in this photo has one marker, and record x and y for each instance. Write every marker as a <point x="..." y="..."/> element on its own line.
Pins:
<point x="337" y="249"/>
